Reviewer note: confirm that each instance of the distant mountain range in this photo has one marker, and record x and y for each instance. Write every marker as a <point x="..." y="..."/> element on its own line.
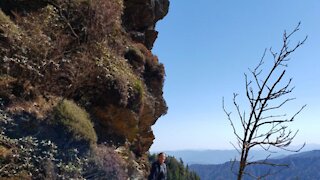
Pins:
<point x="212" y="156"/>
<point x="302" y="166"/>
<point x="222" y="156"/>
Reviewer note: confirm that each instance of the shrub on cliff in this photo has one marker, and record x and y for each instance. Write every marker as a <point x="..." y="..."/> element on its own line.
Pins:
<point x="28" y="157"/>
<point x="76" y="121"/>
<point x="9" y="30"/>
<point x="105" y="163"/>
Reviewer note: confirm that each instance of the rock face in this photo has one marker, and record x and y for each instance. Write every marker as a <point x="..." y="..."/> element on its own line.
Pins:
<point x="140" y="17"/>
<point x="94" y="54"/>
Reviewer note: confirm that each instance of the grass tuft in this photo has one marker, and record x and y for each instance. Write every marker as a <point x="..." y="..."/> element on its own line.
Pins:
<point x="76" y="120"/>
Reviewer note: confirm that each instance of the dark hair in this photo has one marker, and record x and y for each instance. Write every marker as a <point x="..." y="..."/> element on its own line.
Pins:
<point x="161" y="153"/>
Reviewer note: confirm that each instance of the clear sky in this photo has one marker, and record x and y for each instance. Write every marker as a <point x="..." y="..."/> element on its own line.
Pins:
<point x="207" y="46"/>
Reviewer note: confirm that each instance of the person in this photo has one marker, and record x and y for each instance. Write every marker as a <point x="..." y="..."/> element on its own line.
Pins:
<point x="159" y="168"/>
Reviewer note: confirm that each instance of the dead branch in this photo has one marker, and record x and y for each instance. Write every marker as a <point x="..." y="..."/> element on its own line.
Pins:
<point x="263" y="127"/>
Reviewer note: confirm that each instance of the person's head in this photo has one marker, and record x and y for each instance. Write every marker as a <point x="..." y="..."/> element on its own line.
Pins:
<point x="161" y="157"/>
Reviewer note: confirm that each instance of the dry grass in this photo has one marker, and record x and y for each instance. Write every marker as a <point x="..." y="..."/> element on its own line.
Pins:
<point x="6" y="80"/>
<point x="41" y="29"/>
<point x="106" y="18"/>
<point x="20" y="176"/>
<point x="39" y="107"/>
<point x="5" y="152"/>
<point x="8" y="28"/>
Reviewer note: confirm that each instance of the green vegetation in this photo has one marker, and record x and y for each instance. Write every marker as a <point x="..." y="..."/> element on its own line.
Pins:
<point x="120" y="72"/>
<point x="138" y="87"/>
<point x="116" y="66"/>
<point x="28" y="157"/>
<point x="78" y="44"/>
<point x="76" y="120"/>
<point x="176" y="169"/>
<point x="136" y="57"/>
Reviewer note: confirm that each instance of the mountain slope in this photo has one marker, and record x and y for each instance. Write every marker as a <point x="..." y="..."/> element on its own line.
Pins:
<point x="304" y="165"/>
<point x="219" y="156"/>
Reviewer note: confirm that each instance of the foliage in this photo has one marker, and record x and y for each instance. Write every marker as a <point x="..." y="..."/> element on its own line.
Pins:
<point x="106" y="20"/>
<point x="40" y="159"/>
<point x="176" y="169"/>
<point x="8" y="28"/>
<point x="106" y="163"/>
<point x="37" y="43"/>
<point x="118" y="70"/>
<point x="136" y="58"/>
<point x="30" y="158"/>
<point x="138" y="87"/>
<point x="68" y="49"/>
<point x="76" y="121"/>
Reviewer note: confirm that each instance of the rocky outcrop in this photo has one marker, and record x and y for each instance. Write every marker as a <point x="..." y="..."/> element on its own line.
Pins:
<point x="89" y="56"/>
<point x="140" y="17"/>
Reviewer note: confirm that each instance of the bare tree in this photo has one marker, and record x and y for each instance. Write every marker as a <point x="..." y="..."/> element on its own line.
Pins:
<point x="266" y="93"/>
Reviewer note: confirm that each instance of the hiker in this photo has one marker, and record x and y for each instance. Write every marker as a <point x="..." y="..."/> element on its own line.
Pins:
<point x="159" y="168"/>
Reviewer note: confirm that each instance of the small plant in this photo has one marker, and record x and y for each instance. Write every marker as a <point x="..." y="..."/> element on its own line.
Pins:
<point x="139" y="89"/>
<point x="7" y="28"/>
<point x="76" y="120"/>
<point x="106" y="18"/>
<point x="136" y="58"/>
<point x="105" y="163"/>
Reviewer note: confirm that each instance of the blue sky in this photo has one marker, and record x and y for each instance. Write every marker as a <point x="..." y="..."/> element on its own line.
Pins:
<point x="207" y="46"/>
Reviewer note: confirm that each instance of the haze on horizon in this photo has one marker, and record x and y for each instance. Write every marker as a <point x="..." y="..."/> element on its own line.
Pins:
<point x="206" y="46"/>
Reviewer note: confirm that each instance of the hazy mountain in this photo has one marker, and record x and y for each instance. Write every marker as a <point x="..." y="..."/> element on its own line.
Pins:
<point x="212" y="156"/>
<point x="304" y="165"/>
<point x="222" y="156"/>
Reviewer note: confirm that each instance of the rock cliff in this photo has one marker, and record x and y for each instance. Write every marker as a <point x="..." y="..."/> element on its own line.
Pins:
<point x="81" y="75"/>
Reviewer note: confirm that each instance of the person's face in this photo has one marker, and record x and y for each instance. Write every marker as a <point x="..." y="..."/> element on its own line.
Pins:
<point x="162" y="158"/>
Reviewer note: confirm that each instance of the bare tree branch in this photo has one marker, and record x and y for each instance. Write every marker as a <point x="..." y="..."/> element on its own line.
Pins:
<point x="263" y="127"/>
